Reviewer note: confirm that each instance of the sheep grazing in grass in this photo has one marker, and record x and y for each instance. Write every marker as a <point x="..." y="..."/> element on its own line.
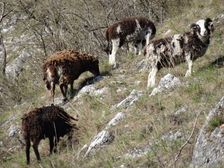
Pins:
<point x="64" y="67"/>
<point x="137" y="30"/>
<point x="50" y="122"/>
<point x="170" y="51"/>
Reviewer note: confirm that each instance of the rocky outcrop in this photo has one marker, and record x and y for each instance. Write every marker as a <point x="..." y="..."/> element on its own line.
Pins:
<point x="103" y="138"/>
<point x="209" y="148"/>
<point x="14" y="68"/>
<point x="168" y="82"/>
<point x="128" y="101"/>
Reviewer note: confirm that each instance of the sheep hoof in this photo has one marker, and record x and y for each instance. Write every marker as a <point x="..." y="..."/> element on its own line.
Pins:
<point x="115" y="66"/>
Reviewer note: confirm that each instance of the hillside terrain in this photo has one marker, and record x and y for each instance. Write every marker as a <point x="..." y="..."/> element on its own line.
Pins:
<point x="134" y="127"/>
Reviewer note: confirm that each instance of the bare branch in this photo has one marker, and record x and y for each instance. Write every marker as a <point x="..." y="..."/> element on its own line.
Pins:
<point x="187" y="141"/>
<point x="2" y="15"/>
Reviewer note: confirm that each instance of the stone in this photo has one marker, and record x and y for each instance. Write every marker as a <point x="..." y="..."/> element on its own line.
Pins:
<point x="209" y="147"/>
<point x="168" y="82"/>
<point x="119" y="116"/>
<point x="138" y="152"/>
<point x="13" y="131"/>
<point x="102" y="138"/>
<point x="172" y="136"/>
<point x="131" y="99"/>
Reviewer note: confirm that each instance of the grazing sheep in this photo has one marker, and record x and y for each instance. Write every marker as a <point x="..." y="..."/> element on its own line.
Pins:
<point x="64" y="67"/>
<point x="138" y="30"/>
<point x="179" y="48"/>
<point x="50" y="122"/>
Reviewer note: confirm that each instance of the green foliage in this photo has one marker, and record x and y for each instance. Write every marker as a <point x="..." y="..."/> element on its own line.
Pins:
<point x="215" y="122"/>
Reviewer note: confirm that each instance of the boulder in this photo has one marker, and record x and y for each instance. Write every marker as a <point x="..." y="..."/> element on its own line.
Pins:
<point x="168" y="82"/>
<point x="209" y="147"/>
<point x="128" y="101"/>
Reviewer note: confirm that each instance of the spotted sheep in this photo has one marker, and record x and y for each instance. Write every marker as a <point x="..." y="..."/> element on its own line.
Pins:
<point x="173" y="50"/>
<point x="63" y="67"/>
<point x="50" y="122"/>
<point x="136" y="30"/>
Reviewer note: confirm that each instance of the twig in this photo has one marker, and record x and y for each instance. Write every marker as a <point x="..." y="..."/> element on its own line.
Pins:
<point x="187" y="141"/>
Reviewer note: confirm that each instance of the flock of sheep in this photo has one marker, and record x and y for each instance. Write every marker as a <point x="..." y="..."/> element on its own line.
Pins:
<point x="63" y="67"/>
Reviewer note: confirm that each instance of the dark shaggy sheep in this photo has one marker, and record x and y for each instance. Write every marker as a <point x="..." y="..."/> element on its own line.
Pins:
<point x="138" y="30"/>
<point x="50" y="122"/>
<point x="64" y="67"/>
<point x="179" y="48"/>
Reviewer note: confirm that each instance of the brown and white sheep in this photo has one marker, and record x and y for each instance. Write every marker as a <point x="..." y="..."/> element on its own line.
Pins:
<point x="64" y="67"/>
<point x="138" y="30"/>
<point x="179" y="48"/>
<point x="50" y="122"/>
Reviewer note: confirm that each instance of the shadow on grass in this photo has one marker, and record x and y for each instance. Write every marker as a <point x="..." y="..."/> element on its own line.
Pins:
<point x="89" y="81"/>
<point x="219" y="62"/>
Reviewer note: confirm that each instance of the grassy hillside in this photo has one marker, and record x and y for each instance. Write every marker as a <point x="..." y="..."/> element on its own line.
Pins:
<point x="147" y="120"/>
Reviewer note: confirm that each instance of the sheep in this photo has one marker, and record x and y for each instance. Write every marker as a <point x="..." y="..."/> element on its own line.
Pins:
<point x="50" y="122"/>
<point x="171" y="51"/>
<point x="138" y="30"/>
<point x="64" y="67"/>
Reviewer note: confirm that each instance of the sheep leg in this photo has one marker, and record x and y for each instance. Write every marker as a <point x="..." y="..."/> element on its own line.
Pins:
<point x="28" y="151"/>
<point x="71" y="89"/>
<point x="189" y="62"/>
<point x="64" y="88"/>
<point x="53" y="91"/>
<point x="139" y="48"/>
<point x="35" y="148"/>
<point x="147" y="38"/>
<point x="152" y="77"/>
<point x="55" y="144"/>
<point x="112" y="56"/>
<point x="51" y="142"/>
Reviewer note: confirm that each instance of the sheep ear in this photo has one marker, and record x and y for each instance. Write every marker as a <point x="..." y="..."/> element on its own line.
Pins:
<point x="208" y="20"/>
<point x="193" y="26"/>
<point x="210" y="24"/>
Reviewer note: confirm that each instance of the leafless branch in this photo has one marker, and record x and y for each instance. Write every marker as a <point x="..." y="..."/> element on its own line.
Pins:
<point x="186" y="142"/>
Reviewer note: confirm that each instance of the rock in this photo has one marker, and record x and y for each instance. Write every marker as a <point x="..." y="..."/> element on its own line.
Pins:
<point x="119" y="116"/>
<point x="14" y="68"/>
<point x="172" y="136"/>
<point x="92" y="91"/>
<point x="168" y="82"/>
<point x="131" y="99"/>
<point x="102" y="138"/>
<point x="13" y="131"/>
<point x="181" y="110"/>
<point x="209" y="148"/>
<point x="138" y="152"/>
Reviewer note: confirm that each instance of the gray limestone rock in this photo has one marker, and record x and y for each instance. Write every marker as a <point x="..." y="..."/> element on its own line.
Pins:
<point x="168" y="82"/>
<point x="209" y="148"/>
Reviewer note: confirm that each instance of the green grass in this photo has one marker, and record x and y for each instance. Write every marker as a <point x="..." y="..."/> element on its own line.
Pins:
<point x="215" y="122"/>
